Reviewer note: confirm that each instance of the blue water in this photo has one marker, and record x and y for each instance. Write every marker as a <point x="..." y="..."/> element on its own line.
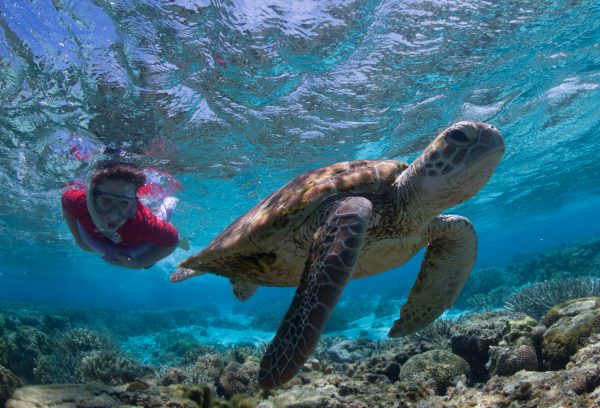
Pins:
<point x="235" y="98"/>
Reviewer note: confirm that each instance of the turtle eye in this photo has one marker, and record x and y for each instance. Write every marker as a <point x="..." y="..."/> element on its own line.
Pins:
<point x="458" y="137"/>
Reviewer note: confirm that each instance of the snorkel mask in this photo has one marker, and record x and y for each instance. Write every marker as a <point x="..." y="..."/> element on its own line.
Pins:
<point x="105" y="203"/>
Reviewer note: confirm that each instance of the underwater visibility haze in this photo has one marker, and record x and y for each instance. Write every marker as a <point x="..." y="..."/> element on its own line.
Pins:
<point x="225" y="101"/>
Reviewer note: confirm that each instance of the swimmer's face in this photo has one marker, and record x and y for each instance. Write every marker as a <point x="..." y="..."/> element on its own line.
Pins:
<point x="111" y="203"/>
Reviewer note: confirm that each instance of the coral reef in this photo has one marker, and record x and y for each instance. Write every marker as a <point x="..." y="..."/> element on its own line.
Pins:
<point x="268" y="318"/>
<point x="84" y="355"/>
<point x="576" y="260"/>
<point x="436" y="335"/>
<point x="53" y="323"/>
<point x="571" y="323"/>
<point x="473" y="338"/>
<point x="507" y="360"/>
<point x="238" y="379"/>
<point x="173" y="347"/>
<point x="138" y="323"/>
<point x="51" y="352"/>
<point x="21" y="349"/>
<point x="96" y="395"/>
<point x="347" y="351"/>
<point x="439" y="367"/>
<point x="81" y="340"/>
<point x="575" y="386"/>
<point x="375" y="369"/>
<point x="398" y="373"/>
<point x="142" y="322"/>
<point x="8" y="383"/>
<point x="486" y="289"/>
<point x="537" y="299"/>
<point x="544" y="351"/>
<point x="490" y="288"/>
<point x="108" y="367"/>
<point x="519" y="348"/>
<point x="207" y="369"/>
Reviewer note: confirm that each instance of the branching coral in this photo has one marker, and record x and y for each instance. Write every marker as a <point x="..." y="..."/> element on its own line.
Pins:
<point x="81" y="339"/>
<point x="81" y="355"/>
<point x="485" y="289"/>
<point x="437" y="333"/>
<point x="537" y="299"/>
<point x="581" y="259"/>
<point x="207" y="369"/>
<point x="20" y="351"/>
<point x="108" y="367"/>
<point x="238" y="379"/>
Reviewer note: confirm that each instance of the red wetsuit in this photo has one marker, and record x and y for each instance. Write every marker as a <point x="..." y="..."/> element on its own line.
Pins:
<point x="143" y="228"/>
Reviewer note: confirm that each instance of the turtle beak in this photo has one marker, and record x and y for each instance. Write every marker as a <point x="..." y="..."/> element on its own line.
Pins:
<point x="490" y="146"/>
<point x="491" y="139"/>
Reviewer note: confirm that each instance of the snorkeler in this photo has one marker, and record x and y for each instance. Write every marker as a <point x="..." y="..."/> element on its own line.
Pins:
<point x="109" y="219"/>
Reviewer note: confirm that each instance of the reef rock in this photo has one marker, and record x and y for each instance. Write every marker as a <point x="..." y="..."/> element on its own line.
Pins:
<point x="365" y="385"/>
<point x="334" y="391"/>
<point x="304" y="397"/>
<point x="349" y="351"/>
<point x="374" y="368"/>
<point x="97" y="395"/>
<point x="522" y="330"/>
<point x="8" y="383"/>
<point x="473" y="338"/>
<point x="569" y="326"/>
<point x="578" y="385"/>
<point x="518" y="349"/>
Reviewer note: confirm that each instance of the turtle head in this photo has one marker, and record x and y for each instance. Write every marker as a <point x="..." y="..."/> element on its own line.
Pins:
<point x="455" y="166"/>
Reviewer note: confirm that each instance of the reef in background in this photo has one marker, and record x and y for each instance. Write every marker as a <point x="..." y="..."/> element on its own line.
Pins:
<point x="543" y="349"/>
<point x="490" y="288"/>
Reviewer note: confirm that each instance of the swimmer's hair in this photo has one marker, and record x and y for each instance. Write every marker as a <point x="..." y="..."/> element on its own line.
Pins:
<point x="116" y="170"/>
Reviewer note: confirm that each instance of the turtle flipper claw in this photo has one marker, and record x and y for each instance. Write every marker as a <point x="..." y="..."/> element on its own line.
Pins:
<point x="184" y="273"/>
<point x="331" y="262"/>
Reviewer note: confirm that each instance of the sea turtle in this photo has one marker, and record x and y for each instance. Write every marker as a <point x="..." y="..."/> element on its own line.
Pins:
<point x="351" y="220"/>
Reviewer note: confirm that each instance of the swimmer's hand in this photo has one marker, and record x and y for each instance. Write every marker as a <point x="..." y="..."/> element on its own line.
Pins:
<point x="142" y="261"/>
<point x="114" y="236"/>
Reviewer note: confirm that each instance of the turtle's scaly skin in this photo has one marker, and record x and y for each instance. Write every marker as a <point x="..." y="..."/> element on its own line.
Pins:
<point x="355" y="219"/>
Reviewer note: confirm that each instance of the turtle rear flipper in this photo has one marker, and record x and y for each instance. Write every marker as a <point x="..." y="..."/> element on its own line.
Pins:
<point x="330" y="264"/>
<point x="242" y="290"/>
<point x="448" y="261"/>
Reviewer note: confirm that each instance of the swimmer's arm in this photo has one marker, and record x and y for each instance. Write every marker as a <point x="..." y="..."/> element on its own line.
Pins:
<point x="148" y="258"/>
<point x="71" y="223"/>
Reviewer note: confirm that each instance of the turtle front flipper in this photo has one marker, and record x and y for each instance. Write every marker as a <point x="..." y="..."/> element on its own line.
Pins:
<point x="330" y="264"/>
<point x="449" y="258"/>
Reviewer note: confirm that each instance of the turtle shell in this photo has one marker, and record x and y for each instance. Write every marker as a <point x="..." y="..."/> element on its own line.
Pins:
<point x="279" y="214"/>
